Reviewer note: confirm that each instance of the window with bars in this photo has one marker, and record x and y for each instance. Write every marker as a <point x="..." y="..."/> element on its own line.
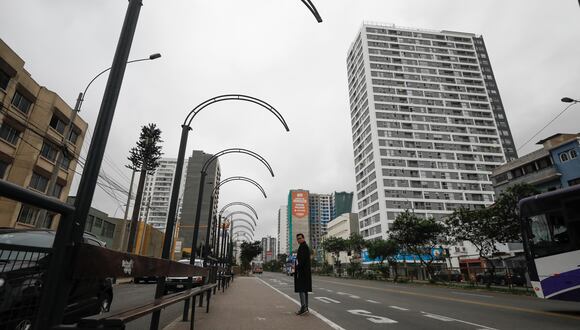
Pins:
<point x="4" y="79"/>
<point x="21" y="102"/>
<point x="9" y="134"/>
<point x="38" y="182"/>
<point x="48" y="151"/>
<point x="27" y="214"/>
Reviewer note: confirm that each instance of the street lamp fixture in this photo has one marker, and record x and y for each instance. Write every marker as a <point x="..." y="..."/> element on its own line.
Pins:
<point x="569" y="100"/>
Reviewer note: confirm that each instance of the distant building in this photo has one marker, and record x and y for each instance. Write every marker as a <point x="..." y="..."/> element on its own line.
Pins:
<point x="157" y="193"/>
<point x="269" y="251"/>
<point x="428" y="124"/>
<point x="98" y="224"/>
<point x="341" y="203"/>
<point x="298" y="217"/>
<point x="555" y="166"/>
<point x="190" y="195"/>
<point x="341" y="227"/>
<point x="36" y="125"/>
<point x="283" y="238"/>
<point x="320" y="213"/>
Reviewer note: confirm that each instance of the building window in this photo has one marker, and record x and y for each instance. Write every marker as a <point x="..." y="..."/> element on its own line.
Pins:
<point x="564" y="157"/>
<point x="57" y="124"/>
<point x="38" y="182"/>
<point x="65" y="162"/>
<point x="4" y="79"/>
<point x="98" y="223"/>
<point x="57" y="190"/>
<point x="3" y="168"/>
<point x="108" y="230"/>
<point x="21" y="103"/>
<point x="73" y="136"/>
<point x="48" y="219"/>
<point x="27" y="214"/>
<point x="9" y="133"/>
<point x="89" y="224"/>
<point x="573" y="154"/>
<point x="48" y="151"/>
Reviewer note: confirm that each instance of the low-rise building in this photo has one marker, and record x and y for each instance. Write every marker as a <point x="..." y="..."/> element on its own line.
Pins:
<point x="40" y="142"/>
<point x="556" y="165"/>
<point x="341" y="227"/>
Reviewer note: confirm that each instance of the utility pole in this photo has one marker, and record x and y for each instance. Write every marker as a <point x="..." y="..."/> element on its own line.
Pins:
<point x="145" y="225"/>
<point x="124" y="224"/>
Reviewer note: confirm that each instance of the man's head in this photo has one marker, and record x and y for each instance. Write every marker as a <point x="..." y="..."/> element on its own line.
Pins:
<point x="300" y="238"/>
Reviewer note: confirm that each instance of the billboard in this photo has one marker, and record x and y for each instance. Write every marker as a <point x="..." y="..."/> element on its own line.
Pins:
<point x="299" y="204"/>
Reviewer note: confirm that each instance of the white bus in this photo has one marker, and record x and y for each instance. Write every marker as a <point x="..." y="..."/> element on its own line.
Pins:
<point x="551" y="236"/>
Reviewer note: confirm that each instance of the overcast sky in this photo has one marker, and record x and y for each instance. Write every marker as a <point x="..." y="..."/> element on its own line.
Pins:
<point x="275" y="50"/>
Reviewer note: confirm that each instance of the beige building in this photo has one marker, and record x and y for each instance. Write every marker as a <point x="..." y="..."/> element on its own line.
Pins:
<point x="342" y="226"/>
<point x="37" y="128"/>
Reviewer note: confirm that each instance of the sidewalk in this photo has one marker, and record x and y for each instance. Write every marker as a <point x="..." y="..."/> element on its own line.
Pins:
<point x="250" y="304"/>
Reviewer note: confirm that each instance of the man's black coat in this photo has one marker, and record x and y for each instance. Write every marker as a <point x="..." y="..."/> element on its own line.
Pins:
<point x="302" y="275"/>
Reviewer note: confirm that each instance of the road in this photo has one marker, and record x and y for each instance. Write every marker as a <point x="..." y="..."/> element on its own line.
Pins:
<point x="130" y="295"/>
<point x="358" y="304"/>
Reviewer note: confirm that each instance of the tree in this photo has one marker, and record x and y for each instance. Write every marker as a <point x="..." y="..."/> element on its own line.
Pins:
<point x="384" y="250"/>
<point x="417" y="236"/>
<point x="355" y="243"/>
<point x="506" y="210"/>
<point x="248" y="252"/>
<point x="144" y="158"/>
<point x="335" y="245"/>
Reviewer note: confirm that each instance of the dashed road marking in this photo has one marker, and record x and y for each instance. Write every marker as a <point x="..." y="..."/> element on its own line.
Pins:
<point x="312" y="311"/>
<point x="372" y="301"/>
<point x="327" y="300"/>
<point x="371" y="317"/>
<point x="447" y="319"/>
<point x="399" y="308"/>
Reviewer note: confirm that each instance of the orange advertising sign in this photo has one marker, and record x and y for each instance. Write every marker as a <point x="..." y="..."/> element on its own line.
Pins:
<point x="299" y="204"/>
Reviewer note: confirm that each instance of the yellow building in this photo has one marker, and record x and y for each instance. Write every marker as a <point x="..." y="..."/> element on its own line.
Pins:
<point x="37" y="128"/>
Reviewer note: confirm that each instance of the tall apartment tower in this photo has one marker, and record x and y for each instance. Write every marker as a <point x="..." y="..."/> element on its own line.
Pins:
<point x="428" y="123"/>
<point x="320" y="214"/>
<point x="157" y="193"/>
<point x="36" y="127"/>
<point x="190" y="195"/>
<point x="283" y="230"/>
<point x="269" y="251"/>
<point x="341" y="202"/>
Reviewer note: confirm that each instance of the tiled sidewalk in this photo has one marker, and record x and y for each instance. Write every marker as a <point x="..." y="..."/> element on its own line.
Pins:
<point x="250" y="304"/>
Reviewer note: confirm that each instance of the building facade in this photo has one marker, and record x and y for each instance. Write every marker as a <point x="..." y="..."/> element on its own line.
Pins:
<point x="190" y="195"/>
<point x="283" y="238"/>
<point x="341" y="203"/>
<point x="40" y="142"/>
<point x="157" y="193"/>
<point x="428" y="124"/>
<point x="269" y="251"/>
<point x="341" y="227"/>
<point x="556" y="165"/>
<point x="298" y="217"/>
<point x="320" y="214"/>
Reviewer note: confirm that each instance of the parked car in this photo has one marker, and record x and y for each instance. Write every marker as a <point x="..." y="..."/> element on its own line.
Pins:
<point x="257" y="270"/>
<point x="145" y="279"/>
<point x="501" y="277"/>
<point x="448" y="275"/>
<point x="22" y="274"/>
<point x="179" y="283"/>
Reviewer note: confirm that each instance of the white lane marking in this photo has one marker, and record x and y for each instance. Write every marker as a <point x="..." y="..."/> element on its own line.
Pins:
<point x="372" y="301"/>
<point x="312" y="311"/>
<point x="471" y="294"/>
<point x="348" y="294"/>
<point x="329" y="290"/>
<point x="479" y="326"/>
<point x="438" y="317"/>
<point x="371" y="317"/>
<point x="327" y="300"/>
<point x="261" y="318"/>
<point x="399" y="308"/>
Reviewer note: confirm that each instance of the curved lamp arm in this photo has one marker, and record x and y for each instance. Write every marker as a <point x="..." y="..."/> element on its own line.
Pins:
<point x="241" y="178"/>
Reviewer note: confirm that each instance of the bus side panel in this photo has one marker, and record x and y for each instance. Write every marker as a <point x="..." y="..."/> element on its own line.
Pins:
<point x="559" y="275"/>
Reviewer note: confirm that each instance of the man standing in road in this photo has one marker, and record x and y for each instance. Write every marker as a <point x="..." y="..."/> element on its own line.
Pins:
<point x="302" y="274"/>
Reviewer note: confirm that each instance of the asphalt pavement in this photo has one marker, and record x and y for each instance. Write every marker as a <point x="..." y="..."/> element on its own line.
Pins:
<point x="360" y="304"/>
<point x="133" y="295"/>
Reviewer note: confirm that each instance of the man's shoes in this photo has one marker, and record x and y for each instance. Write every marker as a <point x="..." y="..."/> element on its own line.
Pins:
<point x="302" y="311"/>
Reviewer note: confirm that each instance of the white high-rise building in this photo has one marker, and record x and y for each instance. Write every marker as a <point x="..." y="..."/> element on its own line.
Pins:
<point x="283" y="230"/>
<point x="157" y="193"/>
<point x="428" y="124"/>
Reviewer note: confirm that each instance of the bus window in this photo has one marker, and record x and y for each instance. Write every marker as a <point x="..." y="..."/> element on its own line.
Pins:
<point x="549" y="234"/>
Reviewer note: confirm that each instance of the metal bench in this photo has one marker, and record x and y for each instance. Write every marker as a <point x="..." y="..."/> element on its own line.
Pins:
<point x="120" y="319"/>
